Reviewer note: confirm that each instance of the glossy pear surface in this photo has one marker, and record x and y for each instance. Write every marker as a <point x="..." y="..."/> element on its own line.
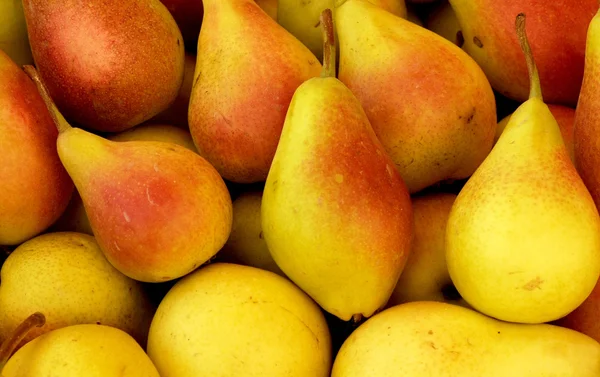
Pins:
<point x="233" y="320"/>
<point x="438" y="339"/>
<point x="489" y="34"/>
<point x="523" y="237"/>
<point x="247" y="70"/>
<point x="34" y="187"/>
<point x="336" y="215"/>
<point x="108" y="65"/>
<point x="81" y="350"/>
<point x="587" y="115"/>
<point x="157" y="209"/>
<point x="66" y="276"/>
<point x="429" y="103"/>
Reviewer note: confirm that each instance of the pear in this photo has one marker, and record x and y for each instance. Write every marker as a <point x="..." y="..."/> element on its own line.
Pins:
<point x="425" y="276"/>
<point x="565" y="118"/>
<point x="429" y="103"/>
<point x="585" y="317"/>
<point x="523" y="236"/>
<point x="487" y="27"/>
<point x="34" y="187"/>
<point x="246" y="244"/>
<point x="66" y="276"/>
<point x="269" y="6"/>
<point x="247" y="70"/>
<point x="587" y="121"/>
<point x="233" y="320"/>
<point x="109" y="66"/>
<point x="157" y="209"/>
<point x="14" y="40"/>
<point x="429" y="338"/>
<point x="79" y="350"/>
<point x="336" y="214"/>
<point x="301" y="18"/>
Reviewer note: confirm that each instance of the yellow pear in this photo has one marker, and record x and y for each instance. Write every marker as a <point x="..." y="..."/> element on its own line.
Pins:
<point x="14" y="40"/>
<point x="523" y="236"/>
<point x="301" y="18"/>
<point x="425" y="276"/>
<point x="81" y="350"/>
<point x="231" y="320"/>
<point x="246" y="244"/>
<point x="429" y="338"/>
<point x="66" y="276"/>
<point x="336" y="215"/>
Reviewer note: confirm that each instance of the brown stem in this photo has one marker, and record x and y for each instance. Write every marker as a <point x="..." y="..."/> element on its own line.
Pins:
<point x="535" y="89"/>
<point x="9" y="345"/>
<point x="326" y="21"/>
<point x="59" y="121"/>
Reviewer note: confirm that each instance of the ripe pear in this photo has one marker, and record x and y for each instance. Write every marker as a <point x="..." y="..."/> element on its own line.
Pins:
<point x="246" y="244"/>
<point x="557" y="33"/>
<point x="269" y="6"/>
<point x="585" y="317"/>
<point x="565" y="118"/>
<point x="523" y="236"/>
<point x="157" y="209"/>
<point x="301" y="18"/>
<point x="81" y="350"/>
<point x="587" y="115"/>
<point x="233" y="320"/>
<point x="14" y="40"/>
<point x="336" y="215"/>
<point x="247" y="70"/>
<point x="429" y="338"/>
<point x="429" y="103"/>
<point x="108" y="66"/>
<point x="66" y="276"/>
<point x="425" y="276"/>
<point x="74" y="218"/>
<point x="34" y="187"/>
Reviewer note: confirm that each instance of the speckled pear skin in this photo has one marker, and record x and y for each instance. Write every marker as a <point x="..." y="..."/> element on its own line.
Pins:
<point x="247" y="70"/>
<point x="108" y="65"/>
<point x="336" y="215"/>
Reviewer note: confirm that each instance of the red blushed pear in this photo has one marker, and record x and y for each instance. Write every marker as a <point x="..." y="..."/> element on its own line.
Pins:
<point x="247" y="70"/>
<point x="557" y="33"/>
<point x="34" y="186"/>
<point x="336" y="215"/>
<point x="429" y="103"/>
<point x="109" y="65"/>
<point x="158" y="210"/>
<point x="587" y="115"/>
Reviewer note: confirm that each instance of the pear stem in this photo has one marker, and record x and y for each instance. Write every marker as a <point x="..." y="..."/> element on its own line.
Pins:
<point x="535" y="89"/>
<point x="326" y="22"/>
<point x="59" y="121"/>
<point x="8" y="346"/>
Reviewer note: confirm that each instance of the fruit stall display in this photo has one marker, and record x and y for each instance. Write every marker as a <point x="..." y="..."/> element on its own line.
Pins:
<point x="286" y="188"/>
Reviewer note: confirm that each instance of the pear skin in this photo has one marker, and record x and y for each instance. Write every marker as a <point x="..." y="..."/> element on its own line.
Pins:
<point x="269" y="6"/>
<point x="429" y="103"/>
<point x="14" y="40"/>
<point x="34" y="186"/>
<point x="81" y="350"/>
<point x="523" y="236"/>
<point x="66" y="276"/>
<point x="488" y="30"/>
<point x="564" y="116"/>
<point x="108" y="65"/>
<point x="336" y="215"/>
<point x="247" y="70"/>
<point x="157" y="209"/>
<point x="425" y="276"/>
<point x="587" y="115"/>
<point x="429" y="338"/>
<point x="246" y="244"/>
<point x="233" y="320"/>
<point x="585" y="317"/>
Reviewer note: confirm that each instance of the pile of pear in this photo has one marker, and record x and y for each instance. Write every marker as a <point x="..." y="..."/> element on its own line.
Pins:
<point x="326" y="188"/>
